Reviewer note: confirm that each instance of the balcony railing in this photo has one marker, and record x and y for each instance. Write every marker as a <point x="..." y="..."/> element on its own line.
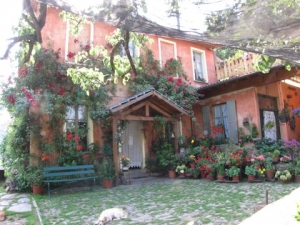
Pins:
<point x="235" y="67"/>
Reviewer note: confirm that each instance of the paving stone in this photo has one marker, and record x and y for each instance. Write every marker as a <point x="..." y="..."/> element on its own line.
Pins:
<point x="8" y="196"/>
<point x="23" y="207"/>
<point x="5" y="202"/>
<point x="24" y="200"/>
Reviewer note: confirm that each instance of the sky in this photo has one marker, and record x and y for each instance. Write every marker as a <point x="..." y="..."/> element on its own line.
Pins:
<point x="10" y="11"/>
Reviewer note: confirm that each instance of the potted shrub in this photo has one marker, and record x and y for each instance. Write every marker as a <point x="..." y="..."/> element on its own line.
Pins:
<point x="251" y="172"/>
<point x="270" y="170"/>
<point x="297" y="171"/>
<point x="107" y="173"/>
<point x="284" y="176"/>
<point x="125" y="163"/>
<point x="195" y="172"/>
<point x="35" y="178"/>
<point x="181" y="170"/>
<point x="275" y="155"/>
<point x="233" y="172"/>
<point x="284" y="114"/>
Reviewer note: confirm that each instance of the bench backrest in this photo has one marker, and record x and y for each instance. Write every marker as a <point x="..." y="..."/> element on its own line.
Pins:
<point x="68" y="171"/>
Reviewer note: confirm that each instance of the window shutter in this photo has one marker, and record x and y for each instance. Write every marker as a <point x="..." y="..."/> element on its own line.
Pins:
<point x="232" y="121"/>
<point x="206" y="118"/>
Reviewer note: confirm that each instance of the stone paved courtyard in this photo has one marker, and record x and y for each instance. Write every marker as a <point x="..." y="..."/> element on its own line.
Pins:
<point x="163" y="201"/>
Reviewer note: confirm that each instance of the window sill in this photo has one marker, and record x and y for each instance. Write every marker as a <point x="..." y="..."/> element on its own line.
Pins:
<point x="199" y="81"/>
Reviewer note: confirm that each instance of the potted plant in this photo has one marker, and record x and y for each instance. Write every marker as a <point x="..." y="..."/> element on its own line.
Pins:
<point x="35" y="178"/>
<point x="233" y="172"/>
<point x="297" y="170"/>
<point x="270" y="170"/>
<point x="188" y="172"/>
<point x="251" y="172"/>
<point x="181" y="170"/>
<point x="284" y="176"/>
<point x="125" y="162"/>
<point x="284" y="114"/>
<point x="275" y="155"/>
<point x="195" y="172"/>
<point x="107" y="173"/>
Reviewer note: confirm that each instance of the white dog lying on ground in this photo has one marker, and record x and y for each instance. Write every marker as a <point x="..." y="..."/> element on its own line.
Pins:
<point x="111" y="214"/>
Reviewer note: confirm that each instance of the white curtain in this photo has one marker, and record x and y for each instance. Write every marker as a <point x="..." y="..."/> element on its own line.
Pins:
<point x="132" y="145"/>
<point x="271" y="133"/>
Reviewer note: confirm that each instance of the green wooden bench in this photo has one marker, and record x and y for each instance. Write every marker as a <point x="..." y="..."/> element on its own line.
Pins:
<point x="68" y="174"/>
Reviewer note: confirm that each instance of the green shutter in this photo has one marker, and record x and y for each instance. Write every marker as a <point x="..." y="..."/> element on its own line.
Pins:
<point x="232" y="121"/>
<point x="206" y="118"/>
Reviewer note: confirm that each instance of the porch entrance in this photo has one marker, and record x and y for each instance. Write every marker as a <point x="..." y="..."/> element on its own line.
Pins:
<point x="133" y="144"/>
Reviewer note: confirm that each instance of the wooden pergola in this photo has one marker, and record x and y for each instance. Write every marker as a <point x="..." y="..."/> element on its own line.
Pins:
<point x="144" y="106"/>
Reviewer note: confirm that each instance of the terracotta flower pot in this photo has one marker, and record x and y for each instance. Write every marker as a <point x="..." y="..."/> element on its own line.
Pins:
<point x="270" y="174"/>
<point x="37" y="189"/>
<point x="172" y="174"/>
<point x="297" y="178"/>
<point x="221" y="177"/>
<point x="107" y="184"/>
<point x="251" y="177"/>
<point x="275" y="159"/>
<point x="235" y="178"/>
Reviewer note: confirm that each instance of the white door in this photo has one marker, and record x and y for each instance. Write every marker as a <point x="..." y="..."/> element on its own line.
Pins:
<point x="270" y="131"/>
<point x="133" y="142"/>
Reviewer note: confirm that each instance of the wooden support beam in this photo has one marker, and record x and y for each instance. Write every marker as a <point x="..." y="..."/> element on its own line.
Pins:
<point x="147" y="109"/>
<point x="141" y="118"/>
<point x="159" y="110"/>
<point x="136" y="107"/>
<point x="176" y="136"/>
<point x="115" y="149"/>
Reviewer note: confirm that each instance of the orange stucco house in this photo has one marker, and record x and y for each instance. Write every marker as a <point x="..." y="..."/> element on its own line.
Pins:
<point x="230" y="97"/>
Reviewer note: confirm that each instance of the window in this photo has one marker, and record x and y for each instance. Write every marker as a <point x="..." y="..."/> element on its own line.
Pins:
<point x="221" y="119"/>
<point x="76" y="123"/>
<point x="199" y="65"/>
<point x="133" y="49"/>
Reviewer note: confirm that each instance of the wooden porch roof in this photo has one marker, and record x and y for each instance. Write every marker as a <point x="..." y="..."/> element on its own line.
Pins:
<point x="152" y="101"/>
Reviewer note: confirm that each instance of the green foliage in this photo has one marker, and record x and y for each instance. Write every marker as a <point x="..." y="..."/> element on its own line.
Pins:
<point x="107" y="170"/>
<point x="166" y="156"/>
<point x="34" y="175"/>
<point x="76" y="21"/>
<point x="233" y="171"/>
<point x="250" y="170"/>
<point x="152" y="164"/>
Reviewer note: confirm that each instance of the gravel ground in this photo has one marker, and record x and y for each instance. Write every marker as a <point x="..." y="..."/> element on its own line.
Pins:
<point x="163" y="201"/>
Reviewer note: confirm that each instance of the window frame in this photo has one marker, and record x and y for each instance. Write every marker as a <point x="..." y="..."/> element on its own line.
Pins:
<point x="160" y="40"/>
<point x="203" y="62"/>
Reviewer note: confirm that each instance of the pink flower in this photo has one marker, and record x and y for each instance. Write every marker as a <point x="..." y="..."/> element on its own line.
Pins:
<point x="69" y="137"/>
<point x="23" y="71"/>
<point x="11" y="99"/>
<point x="61" y="91"/>
<point x="87" y="48"/>
<point x="71" y="55"/>
<point x="171" y="79"/>
<point x="79" y="147"/>
<point x="36" y="91"/>
<point x="77" y="138"/>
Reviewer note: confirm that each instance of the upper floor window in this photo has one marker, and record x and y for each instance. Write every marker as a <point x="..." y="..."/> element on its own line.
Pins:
<point x="167" y="50"/>
<point x="133" y="49"/>
<point x="199" y="65"/>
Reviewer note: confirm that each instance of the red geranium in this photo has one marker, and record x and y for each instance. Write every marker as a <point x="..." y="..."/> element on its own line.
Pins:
<point x="11" y="99"/>
<point x="79" y="147"/>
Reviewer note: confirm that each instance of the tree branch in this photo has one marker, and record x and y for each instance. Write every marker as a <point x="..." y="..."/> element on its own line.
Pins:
<point x="127" y="38"/>
<point x="27" y="57"/>
<point x="15" y="40"/>
<point x="112" y="56"/>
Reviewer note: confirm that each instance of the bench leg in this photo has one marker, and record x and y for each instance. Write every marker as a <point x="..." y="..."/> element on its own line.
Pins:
<point x="49" y="189"/>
